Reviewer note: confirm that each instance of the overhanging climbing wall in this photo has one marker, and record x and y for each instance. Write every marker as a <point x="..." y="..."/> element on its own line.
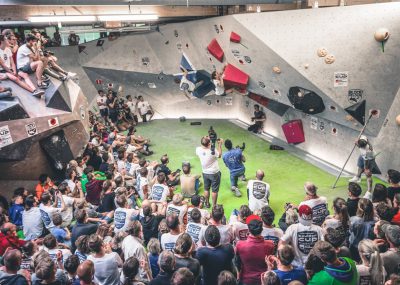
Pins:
<point x="311" y="65"/>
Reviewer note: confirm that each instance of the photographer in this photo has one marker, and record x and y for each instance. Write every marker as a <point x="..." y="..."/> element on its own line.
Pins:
<point x="234" y="159"/>
<point x="112" y="107"/>
<point x="209" y="164"/>
<point x="258" y="119"/>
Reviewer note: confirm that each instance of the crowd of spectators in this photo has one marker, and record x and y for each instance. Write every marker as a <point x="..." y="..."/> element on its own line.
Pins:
<point x="19" y="59"/>
<point x="117" y="218"/>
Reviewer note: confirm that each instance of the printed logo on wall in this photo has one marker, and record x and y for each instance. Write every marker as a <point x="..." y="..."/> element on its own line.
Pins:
<point x="314" y="123"/>
<point x="341" y="79"/>
<point x="355" y="95"/>
<point x="321" y="126"/>
<point x="228" y="101"/>
<point x="152" y="85"/>
<point x="247" y="103"/>
<point x="31" y="129"/>
<point x="209" y="102"/>
<point x="53" y="122"/>
<point x="5" y="136"/>
<point x="99" y="81"/>
<point x="83" y="112"/>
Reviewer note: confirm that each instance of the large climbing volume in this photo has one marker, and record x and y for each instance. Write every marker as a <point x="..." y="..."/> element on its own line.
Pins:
<point x="293" y="131"/>
<point x="234" y="77"/>
<point x="215" y="49"/>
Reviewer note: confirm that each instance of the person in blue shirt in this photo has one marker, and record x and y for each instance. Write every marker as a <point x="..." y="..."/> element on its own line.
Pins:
<point x="284" y="268"/>
<point x="234" y="159"/>
<point x="15" y="211"/>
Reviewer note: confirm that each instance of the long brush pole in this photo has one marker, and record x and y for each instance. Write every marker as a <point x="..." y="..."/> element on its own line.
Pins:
<point x="354" y="147"/>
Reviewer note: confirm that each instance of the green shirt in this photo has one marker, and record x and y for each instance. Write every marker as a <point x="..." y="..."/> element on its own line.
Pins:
<point x="98" y="176"/>
<point x="325" y="278"/>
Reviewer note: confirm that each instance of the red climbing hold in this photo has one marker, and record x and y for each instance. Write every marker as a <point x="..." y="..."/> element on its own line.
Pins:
<point x="215" y="49"/>
<point x="235" y="37"/>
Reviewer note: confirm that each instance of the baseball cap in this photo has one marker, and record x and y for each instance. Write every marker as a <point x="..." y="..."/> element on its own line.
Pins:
<point x="305" y="215"/>
<point x="252" y="217"/>
<point x="392" y="233"/>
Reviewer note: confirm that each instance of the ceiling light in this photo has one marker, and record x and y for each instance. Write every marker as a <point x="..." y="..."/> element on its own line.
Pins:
<point x="61" y="19"/>
<point x="128" y="17"/>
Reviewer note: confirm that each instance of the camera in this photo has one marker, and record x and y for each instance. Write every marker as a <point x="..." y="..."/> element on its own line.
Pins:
<point x="213" y="138"/>
<point x="241" y="147"/>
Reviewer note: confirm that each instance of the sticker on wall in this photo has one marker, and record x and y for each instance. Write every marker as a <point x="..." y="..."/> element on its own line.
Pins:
<point x="83" y="112"/>
<point x="209" y="102"/>
<point x="321" y="126"/>
<point x="314" y="123"/>
<point x="31" y="129"/>
<point x="261" y="84"/>
<point x="355" y="95"/>
<point x="152" y="85"/>
<point x="247" y="103"/>
<point x="341" y="79"/>
<point x="334" y="131"/>
<point x="53" y="122"/>
<point x="99" y="81"/>
<point x="5" y="136"/>
<point x="228" y="101"/>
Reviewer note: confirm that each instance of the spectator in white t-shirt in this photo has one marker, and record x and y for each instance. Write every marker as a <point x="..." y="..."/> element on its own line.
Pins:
<point x="168" y="240"/>
<point x="269" y="231"/>
<point x="258" y="192"/>
<point x="28" y="60"/>
<point x="133" y="107"/>
<point x="101" y="101"/>
<point x="123" y="215"/>
<point x="211" y="172"/>
<point x="32" y="219"/>
<point x="69" y="202"/>
<point x="107" y="264"/>
<point x="217" y="217"/>
<point x="177" y="207"/>
<point x="302" y="236"/>
<point x="318" y="204"/>
<point x="195" y="228"/>
<point x="238" y="222"/>
<point x="145" y="109"/>
<point x="9" y="70"/>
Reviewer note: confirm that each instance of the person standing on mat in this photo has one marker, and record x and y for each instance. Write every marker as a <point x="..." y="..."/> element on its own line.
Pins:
<point x="258" y="119"/>
<point x="366" y="162"/>
<point x="234" y="159"/>
<point x="209" y="163"/>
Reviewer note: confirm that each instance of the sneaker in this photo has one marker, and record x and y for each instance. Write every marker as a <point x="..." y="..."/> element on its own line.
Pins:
<point x="71" y="74"/>
<point x="63" y="78"/>
<point x="38" y="93"/>
<point x="243" y="178"/>
<point x="45" y="78"/>
<point x="233" y="188"/>
<point x="42" y="85"/>
<point x="207" y="204"/>
<point x="237" y="193"/>
<point x="355" y="179"/>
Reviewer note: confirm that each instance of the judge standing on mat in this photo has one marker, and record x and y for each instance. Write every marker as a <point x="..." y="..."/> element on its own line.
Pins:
<point x="366" y="162"/>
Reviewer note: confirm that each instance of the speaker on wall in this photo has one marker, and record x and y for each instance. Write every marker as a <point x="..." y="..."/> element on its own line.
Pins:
<point x="57" y="149"/>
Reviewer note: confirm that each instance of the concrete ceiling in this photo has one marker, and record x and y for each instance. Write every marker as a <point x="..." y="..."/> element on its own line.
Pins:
<point x="136" y="2"/>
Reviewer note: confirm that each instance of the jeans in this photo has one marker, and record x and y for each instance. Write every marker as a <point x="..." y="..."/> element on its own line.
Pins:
<point x="196" y="186"/>
<point x="234" y="175"/>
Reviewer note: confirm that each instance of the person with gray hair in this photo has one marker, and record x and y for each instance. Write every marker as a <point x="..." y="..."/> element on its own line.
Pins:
<point x="258" y="192"/>
<point x="12" y="262"/>
<point x="182" y="276"/>
<point x="318" y="204"/>
<point x="166" y="262"/>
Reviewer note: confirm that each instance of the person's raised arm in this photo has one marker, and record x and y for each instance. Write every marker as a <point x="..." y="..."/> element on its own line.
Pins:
<point x="219" y="147"/>
<point x="59" y="196"/>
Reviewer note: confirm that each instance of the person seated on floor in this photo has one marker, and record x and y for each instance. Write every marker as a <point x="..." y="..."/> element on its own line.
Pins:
<point x="8" y="68"/>
<point x="190" y="183"/>
<point x="172" y="177"/>
<point x="258" y="119"/>
<point x="28" y="61"/>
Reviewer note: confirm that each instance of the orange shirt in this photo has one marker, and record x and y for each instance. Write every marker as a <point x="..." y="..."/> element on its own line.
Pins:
<point x="42" y="188"/>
